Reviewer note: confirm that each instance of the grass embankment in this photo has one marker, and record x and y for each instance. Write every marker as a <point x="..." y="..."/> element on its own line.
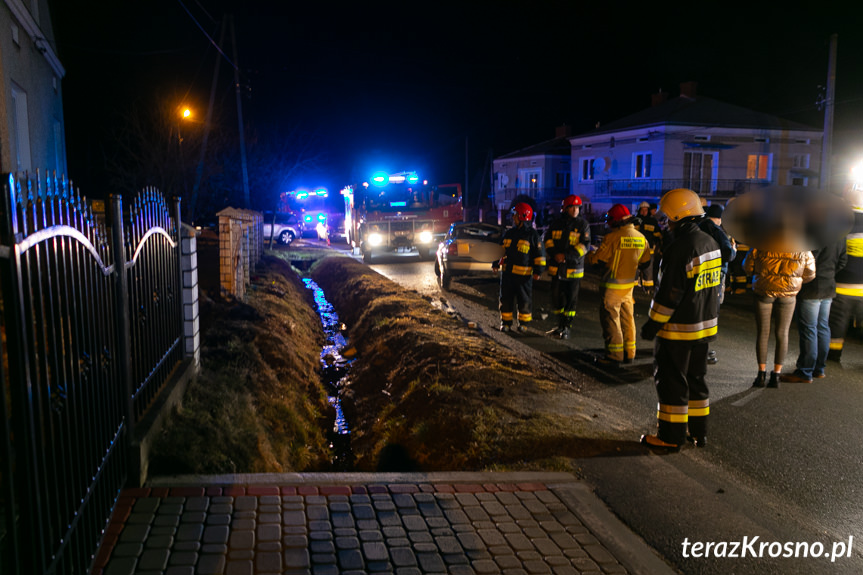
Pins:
<point x="257" y="404"/>
<point x="428" y="392"/>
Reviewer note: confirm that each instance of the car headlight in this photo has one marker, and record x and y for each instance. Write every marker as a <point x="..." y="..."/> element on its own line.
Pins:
<point x="375" y="239"/>
<point x="425" y="237"/>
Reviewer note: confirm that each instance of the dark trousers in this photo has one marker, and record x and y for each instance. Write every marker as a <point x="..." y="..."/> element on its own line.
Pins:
<point x="564" y="299"/>
<point x="679" y="368"/>
<point x="845" y="308"/>
<point x="519" y="289"/>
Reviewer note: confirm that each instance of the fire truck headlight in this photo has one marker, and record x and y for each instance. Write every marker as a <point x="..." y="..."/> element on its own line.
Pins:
<point x="375" y="239"/>
<point x="426" y="237"/>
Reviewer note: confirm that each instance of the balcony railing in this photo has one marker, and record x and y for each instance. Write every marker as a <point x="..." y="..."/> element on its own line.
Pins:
<point x="541" y="195"/>
<point x="655" y="188"/>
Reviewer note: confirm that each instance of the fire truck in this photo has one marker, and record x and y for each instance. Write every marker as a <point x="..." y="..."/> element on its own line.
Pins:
<point x="400" y="213"/>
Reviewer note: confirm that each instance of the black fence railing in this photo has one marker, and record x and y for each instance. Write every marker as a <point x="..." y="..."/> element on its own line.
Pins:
<point x="655" y="188"/>
<point x="92" y="326"/>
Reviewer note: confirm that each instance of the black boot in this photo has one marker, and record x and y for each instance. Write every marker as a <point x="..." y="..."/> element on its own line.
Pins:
<point x="834" y="355"/>
<point x="774" y="379"/>
<point x="760" y="379"/>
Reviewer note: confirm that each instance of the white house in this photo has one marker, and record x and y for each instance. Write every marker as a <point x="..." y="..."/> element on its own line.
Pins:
<point x="541" y="172"/>
<point x="717" y="149"/>
<point x="31" y="105"/>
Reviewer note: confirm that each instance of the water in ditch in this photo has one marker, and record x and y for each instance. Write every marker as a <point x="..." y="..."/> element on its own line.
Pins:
<point x="334" y="370"/>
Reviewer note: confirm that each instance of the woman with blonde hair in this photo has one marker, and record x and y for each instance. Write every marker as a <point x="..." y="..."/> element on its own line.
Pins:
<point x="776" y="279"/>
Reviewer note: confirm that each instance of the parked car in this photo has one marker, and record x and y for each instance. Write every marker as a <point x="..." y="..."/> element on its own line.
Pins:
<point x="469" y="248"/>
<point x="285" y="228"/>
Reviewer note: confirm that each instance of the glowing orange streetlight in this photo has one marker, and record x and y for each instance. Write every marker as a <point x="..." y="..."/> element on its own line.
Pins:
<point x="187" y="113"/>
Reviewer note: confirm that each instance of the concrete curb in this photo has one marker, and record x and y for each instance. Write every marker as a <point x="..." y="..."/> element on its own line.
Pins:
<point x="628" y="548"/>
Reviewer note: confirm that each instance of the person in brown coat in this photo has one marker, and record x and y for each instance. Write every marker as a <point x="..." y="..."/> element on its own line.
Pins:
<point x="776" y="279"/>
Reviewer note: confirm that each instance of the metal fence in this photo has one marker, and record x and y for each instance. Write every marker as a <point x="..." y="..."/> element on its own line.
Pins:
<point x="92" y="328"/>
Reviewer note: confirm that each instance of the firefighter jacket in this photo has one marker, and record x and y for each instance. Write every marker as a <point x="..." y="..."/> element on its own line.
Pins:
<point x="849" y="281"/>
<point x="779" y="274"/>
<point x="570" y="237"/>
<point x="649" y="226"/>
<point x="828" y="261"/>
<point x="686" y="302"/>
<point x="623" y="251"/>
<point x="522" y="251"/>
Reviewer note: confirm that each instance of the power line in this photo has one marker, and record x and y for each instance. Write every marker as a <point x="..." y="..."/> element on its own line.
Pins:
<point x="213" y="42"/>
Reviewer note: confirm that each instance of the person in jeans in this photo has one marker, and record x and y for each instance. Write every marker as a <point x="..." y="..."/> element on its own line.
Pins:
<point x="813" y="313"/>
<point x="776" y="279"/>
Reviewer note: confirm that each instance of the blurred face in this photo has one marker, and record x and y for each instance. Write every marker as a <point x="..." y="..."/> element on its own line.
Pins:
<point x="572" y="211"/>
<point x="643" y="211"/>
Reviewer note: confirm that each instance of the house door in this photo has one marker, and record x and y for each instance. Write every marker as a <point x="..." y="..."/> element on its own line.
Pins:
<point x="531" y="181"/>
<point x="699" y="171"/>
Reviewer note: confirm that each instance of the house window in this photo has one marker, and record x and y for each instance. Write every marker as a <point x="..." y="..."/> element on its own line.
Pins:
<point x="758" y="167"/>
<point x="702" y="138"/>
<point x="20" y="130"/>
<point x="699" y="169"/>
<point x="502" y="180"/>
<point x="530" y="179"/>
<point x="642" y="139"/>
<point x="800" y="161"/>
<point x="561" y="180"/>
<point x="641" y="165"/>
<point x="587" y="169"/>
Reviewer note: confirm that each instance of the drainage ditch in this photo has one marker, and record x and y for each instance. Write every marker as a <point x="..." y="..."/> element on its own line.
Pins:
<point x="334" y="369"/>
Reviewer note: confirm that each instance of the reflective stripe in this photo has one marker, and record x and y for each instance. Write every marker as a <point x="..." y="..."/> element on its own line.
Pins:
<point x="556" y="234"/>
<point x="611" y="285"/>
<point x="647" y="283"/>
<point x="850" y="289"/>
<point x="552" y="270"/>
<point x="507" y="242"/>
<point x="837" y="344"/>
<point x="614" y="347"/>
<point x="522" y="270"/>
<point x="506" y="315"/>
<point x="699" y="411"/>
<point x="672" y="417"/>
<point x="703" y="262"/>
<point x="570" y="314"/>
<point x="698" y="403"/>
<point x="659" y="312"/>
<point x="630" y="345"/>
<point x="539" y="261"/>
<point x="572" y="274"/>
<point x="687" y="335"/>
<point x="525" y="317"/>
<point x="557" y="311"/>
<point x="854" y="245"/>
<point x="672" y="413"/>
<point x="523" y="246"/>
<point x="549" y="243"/>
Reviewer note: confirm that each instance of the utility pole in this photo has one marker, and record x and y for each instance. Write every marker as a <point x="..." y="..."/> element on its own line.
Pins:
<point x="199" y="171"/>
<point x="246" y="202"/>
<point x="829" y="101"/>
<point x="464" y="201"/>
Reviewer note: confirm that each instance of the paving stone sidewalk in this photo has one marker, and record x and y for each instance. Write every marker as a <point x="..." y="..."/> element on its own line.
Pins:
<point x="351" y="524"/>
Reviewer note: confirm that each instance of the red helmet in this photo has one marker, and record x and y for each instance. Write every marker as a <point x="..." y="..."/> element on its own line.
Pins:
<point x="524" y="211"/>
<point x="617" y="213"/>
<point x="570" y="201"/>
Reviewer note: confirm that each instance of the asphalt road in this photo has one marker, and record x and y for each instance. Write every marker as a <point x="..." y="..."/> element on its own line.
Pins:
<point x="783" y="465"/>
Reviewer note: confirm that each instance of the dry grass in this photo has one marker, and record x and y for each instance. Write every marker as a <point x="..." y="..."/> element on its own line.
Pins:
<point x="449" y="397"/>
<point x="257" y="405"/>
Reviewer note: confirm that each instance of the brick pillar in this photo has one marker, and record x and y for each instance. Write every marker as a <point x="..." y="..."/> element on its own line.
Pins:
<point x="226" y="256"/>
<point x="191" y="321"/>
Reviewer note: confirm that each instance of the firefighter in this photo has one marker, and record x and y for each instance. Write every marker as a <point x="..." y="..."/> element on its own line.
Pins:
<point x="683" y="318"/>
<point x="648" y="225"/>
<point x="848" y="303"/>
<point x="522" y="262"/>
<point x="622" y="251"/>
<point x="566" y="242"/>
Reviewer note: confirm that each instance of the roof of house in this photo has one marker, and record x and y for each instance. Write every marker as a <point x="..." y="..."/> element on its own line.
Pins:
<point x="699" y="111"/>
<point x="555" y="147"/>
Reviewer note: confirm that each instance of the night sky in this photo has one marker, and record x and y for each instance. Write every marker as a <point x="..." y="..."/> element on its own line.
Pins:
<point x="404" y="86"/>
